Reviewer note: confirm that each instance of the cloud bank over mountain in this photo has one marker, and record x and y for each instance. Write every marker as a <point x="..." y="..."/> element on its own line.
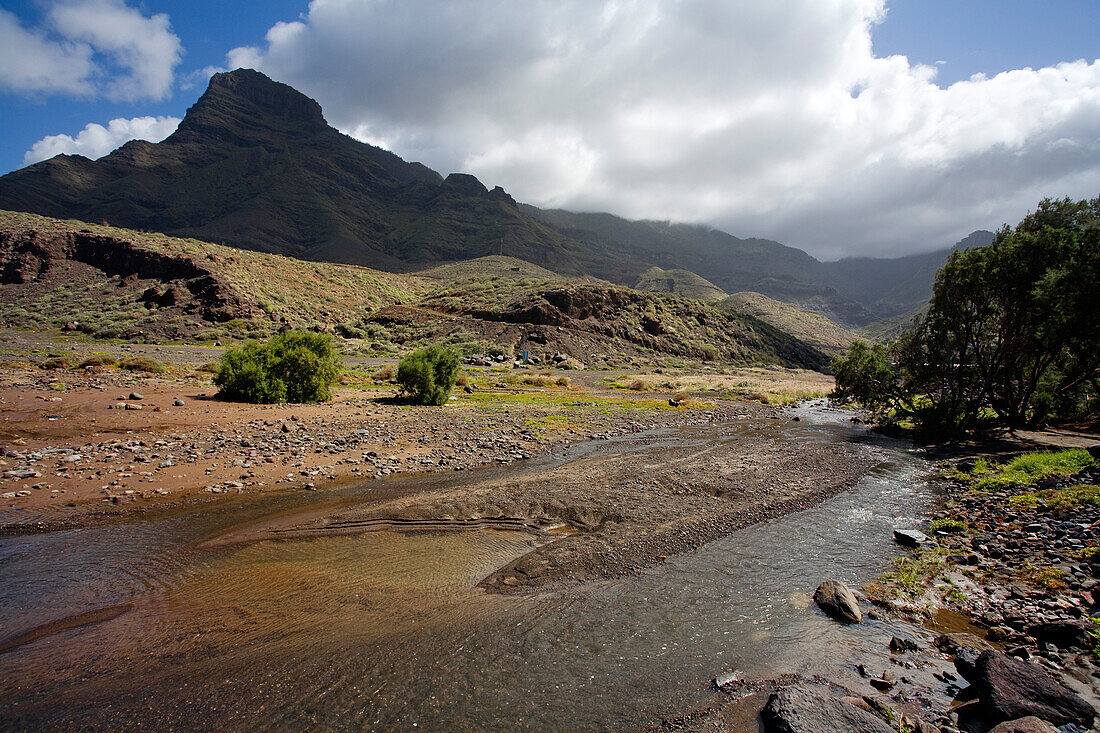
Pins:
<point x="768" y="119"/>
<point x="95" y="140"/>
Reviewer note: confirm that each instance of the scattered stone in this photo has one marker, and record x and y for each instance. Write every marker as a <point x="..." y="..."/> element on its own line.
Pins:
<point x="910" y="537"/>
<point x="898" y="644"/>
<point x="21" y="473"/>
<point x="882" y="684"/>
<point x="837" y="600"/>
<point x="726" y="678"/>
<point x="136" y="396"/>
<point x="178" y="402"/>
<point x="132" y="406"/>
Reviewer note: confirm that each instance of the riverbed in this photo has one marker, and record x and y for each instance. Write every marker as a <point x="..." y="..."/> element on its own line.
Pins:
<point x="390" y="630"/>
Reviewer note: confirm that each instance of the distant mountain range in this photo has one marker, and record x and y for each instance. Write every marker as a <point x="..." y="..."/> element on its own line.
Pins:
<point x="254" y="165"/>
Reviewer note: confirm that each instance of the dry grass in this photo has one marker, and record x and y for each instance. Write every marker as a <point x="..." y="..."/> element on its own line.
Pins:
<point x="766" y="385"/>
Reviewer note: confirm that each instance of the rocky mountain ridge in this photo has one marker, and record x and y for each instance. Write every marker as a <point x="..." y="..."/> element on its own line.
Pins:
<point x="255" y="165"/>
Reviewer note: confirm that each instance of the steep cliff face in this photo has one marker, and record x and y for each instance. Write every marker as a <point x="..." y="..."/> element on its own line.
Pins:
<point x="253" y="164"/>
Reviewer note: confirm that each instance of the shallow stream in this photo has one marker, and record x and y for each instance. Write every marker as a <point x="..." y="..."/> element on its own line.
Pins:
<point x="384" y="630"/>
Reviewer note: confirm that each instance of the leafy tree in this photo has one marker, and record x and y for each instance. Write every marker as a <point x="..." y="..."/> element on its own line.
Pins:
<point x="865" y="375"/>
<point x="294" y="366"/>
<point x="1011" y="334"/>
<point x="428" y="375"/>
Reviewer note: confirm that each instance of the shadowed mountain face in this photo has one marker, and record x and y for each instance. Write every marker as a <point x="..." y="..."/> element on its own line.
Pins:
<point x="254" y="165"/>
<point x="852" y="292"/>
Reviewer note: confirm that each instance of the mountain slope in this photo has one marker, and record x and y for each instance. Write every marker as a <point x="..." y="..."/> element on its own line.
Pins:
<point x="684" y="283"/>
<point x="255" y="165"/>
<point x="813" y="328"/>
<point x="116" y="283"/>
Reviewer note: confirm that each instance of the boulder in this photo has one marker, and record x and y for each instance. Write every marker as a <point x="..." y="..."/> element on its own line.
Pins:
<point x="1062" y="634"/>
<point x="910" y="537"/>
<point x="1010" y="689"/>
<point x="1094" y="450"/>
<point x="837" y="600"/>
<point x="807" y="708"/>
<point x="1030" y="724"/>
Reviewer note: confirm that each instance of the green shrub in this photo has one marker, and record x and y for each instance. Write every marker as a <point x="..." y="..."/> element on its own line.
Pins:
<point x="142" y="363"/>
<point x="428" y="375"/>
<point x="295" y="366"/>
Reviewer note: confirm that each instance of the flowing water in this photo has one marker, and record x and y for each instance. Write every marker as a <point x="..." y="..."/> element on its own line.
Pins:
<point x="153" y="628"/>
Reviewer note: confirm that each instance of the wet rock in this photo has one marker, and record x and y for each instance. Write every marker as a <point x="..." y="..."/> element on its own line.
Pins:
<point x="1030" y="724"/>
<point x="726" y="678"/>
<point x="952" y="643"/>
<point x="910" y="537"/>
<point x="837" y="600"/>
<point x="898" y="644"/>
<point x="808" y="708"/>
<point x="1010" y="689"/>
<point x="885" y="683"/>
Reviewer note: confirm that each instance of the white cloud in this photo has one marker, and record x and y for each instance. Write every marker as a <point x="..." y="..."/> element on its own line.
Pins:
<point x="768" y="119"/>
<point x="95" y="140"/>
<point x="90" y="48"/>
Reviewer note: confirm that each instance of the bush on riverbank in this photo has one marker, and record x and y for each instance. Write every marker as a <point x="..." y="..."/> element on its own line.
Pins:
<point x="295" y="366"/>
<point x="428" y="375"/>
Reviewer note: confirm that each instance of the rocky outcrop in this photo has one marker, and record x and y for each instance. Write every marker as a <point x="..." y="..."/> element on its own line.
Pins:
<point x="838" y="600"/>
<point x="29" y="255"/>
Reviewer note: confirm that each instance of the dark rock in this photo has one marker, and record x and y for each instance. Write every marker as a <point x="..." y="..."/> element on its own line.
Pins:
<point x="898" y="644"/>
<point x="910" y="537"/>
<point x="1010" y="689"/>
<point x="1094" y="450"/>
<point x="808" y="708"/>
<point x="1030" y="724"/>
<point x="1062" y="634"/>
<point x="882" y="684"/>
<point x="966" y="662"/>
<point x="837" y="600"/>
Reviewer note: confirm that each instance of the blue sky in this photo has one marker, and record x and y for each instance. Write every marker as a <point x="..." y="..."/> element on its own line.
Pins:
<point x="411" y="76"/>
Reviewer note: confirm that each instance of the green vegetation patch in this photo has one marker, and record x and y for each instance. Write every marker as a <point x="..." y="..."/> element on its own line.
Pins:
<point x="295" y="366"/>
<point x="911" y="575"/>
<point x="1027" y="469"/>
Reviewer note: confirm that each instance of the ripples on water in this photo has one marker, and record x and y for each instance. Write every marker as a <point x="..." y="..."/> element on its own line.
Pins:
<point x="385" y="630"/>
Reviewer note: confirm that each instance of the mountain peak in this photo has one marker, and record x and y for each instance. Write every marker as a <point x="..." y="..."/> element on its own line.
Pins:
<point x="244" y="100"/>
